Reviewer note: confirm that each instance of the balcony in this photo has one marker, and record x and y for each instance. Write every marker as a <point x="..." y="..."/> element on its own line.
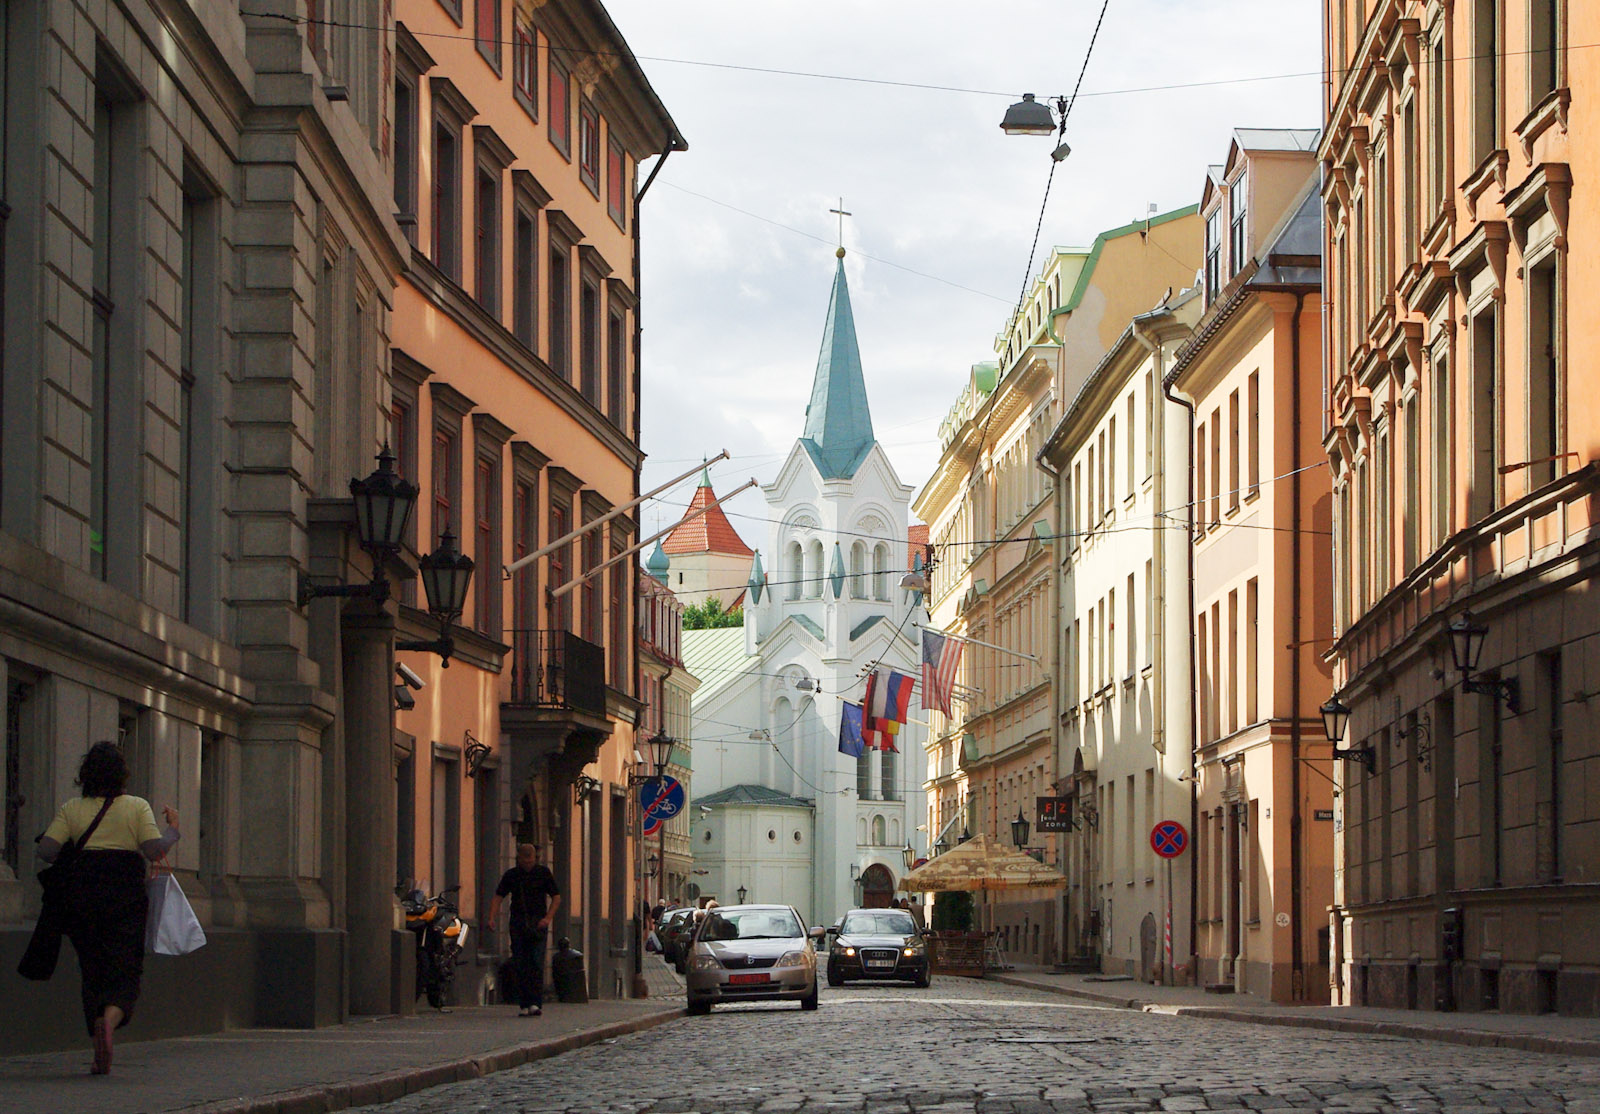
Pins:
<point x="555" y="669"/>
<point x="556" y="711"/>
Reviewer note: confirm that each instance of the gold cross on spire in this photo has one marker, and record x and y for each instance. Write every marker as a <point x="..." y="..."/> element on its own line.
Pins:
<point x="842" y="213"/>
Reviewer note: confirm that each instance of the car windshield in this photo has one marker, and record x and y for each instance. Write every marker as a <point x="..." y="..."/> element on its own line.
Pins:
<point x="879" y="924"/>
<point x="751" y="924"/>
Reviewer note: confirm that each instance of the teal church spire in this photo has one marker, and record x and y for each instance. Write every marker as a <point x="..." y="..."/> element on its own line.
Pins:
<point x="658" y="563"/>
<point x="838" y="430"/>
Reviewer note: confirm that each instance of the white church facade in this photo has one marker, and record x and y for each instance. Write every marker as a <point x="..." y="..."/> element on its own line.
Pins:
<point x="780" y="811"/>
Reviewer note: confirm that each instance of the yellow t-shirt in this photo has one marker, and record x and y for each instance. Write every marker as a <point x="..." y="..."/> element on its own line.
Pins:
<point x="127" y="824"/>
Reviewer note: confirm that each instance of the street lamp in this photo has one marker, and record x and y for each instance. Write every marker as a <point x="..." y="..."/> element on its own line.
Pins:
<point x="661" y="751"/>
<point x="446" y="572"/>
<point x="1029" y="117"/>
<point x="1019" y="829"/>
<point x="384" y="502"/>
<point x="941" y="845"/>
<point x="1335" y="718"/>
<point x="1466" y="646"/>
<point x="908" y="854"/>
<point x="743" y="893"/>
<point x="965" y="835"/>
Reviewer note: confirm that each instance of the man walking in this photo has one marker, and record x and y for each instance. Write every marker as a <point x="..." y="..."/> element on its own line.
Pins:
<point x="535" y="897"/>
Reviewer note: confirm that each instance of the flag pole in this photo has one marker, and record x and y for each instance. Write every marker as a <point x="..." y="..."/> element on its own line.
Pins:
<point x="978" y="642"/>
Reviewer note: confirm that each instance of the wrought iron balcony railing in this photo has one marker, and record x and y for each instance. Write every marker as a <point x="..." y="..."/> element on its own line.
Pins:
<point x="556" y="669"/>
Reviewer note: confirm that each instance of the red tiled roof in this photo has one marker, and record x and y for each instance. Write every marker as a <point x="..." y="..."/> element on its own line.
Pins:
<point x="917" y="537"/>
<point x="708" y="533"/>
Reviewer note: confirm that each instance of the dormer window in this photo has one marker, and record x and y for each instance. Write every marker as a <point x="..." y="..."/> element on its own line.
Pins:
<point x="1238" y="247"/>
<point x="1213" y="253"/>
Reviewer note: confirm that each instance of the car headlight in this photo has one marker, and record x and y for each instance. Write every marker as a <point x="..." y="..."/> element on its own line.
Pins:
<point x="705" y="961"/>
<point x="915" y="949"/>
<point x="792" y="959"/>
<point x="849" y="951"/>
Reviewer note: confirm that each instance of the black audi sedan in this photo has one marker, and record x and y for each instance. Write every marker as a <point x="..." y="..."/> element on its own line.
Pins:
<point x="878" y="944"/>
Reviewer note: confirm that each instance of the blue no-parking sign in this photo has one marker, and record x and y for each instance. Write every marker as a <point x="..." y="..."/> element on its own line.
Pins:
<point x="1169" y="839"/>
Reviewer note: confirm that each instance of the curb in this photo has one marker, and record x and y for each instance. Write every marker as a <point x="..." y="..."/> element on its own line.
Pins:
<point x="328" y="1097"/>
<point x="1478" y="1038"/>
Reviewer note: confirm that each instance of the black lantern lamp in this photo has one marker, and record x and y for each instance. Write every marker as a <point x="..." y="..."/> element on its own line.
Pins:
<point x="1028" y="117"/>
<point x="1466" y="647"/>
<point x="942" y="845"/>
<point x="908" y="854"/>
<point x="743" y="893"/>
<point x="965" y="835"/>
<point x="384" y="502"/>
<point x="1019" y="830"/>
<point x="1335" y="719"/>
<point x="446" y="573"/>
<point x="661" y="752"/>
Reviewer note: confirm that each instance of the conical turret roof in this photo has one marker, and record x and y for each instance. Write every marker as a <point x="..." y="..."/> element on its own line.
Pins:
<point x="707" y="533"/>
<point x="838" y="429"/>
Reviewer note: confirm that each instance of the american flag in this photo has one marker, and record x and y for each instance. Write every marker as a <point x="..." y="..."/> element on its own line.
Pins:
<point x="941" y="657"/>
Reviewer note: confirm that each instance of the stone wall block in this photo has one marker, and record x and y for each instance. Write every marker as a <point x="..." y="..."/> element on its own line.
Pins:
<point x="263" y="314"/>
<point x="263" y="226"/>
<point x="261" y="536"/>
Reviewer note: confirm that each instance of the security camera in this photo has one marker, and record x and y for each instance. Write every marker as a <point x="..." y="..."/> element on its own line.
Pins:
<point x="409" y="676"/>
<point x="403" y="699"/>
<point x="705" y="810"/>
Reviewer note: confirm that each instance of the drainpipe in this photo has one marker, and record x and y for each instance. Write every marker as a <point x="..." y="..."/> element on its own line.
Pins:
<point x="1296" y="819"/>
<point x="1060" y="912"/>
<point x="1194" y="732"/>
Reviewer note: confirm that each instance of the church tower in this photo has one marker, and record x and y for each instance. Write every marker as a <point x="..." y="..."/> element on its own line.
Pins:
<point x="821" y="611"/>
<point x="707" y="555"/>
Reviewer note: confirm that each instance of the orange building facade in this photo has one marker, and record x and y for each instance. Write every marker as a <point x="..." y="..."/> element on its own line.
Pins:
<point x="517" y="132"/>
<point x="1263" y="831"/>
<point x="1461" y="423"/>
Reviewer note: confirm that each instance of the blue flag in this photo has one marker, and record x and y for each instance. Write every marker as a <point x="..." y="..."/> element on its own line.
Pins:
<point x="850" y="740"/>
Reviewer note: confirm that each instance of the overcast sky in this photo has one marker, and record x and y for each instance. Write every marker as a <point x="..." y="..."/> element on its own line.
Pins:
<point x="734" y="302"/>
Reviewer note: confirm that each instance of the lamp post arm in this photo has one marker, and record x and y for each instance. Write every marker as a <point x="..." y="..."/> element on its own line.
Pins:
<point x="631" y="550"/>
<point x="615" y="512"/>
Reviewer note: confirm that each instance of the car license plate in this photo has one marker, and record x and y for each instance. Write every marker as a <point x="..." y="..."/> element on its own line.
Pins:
<point x="880" y="963"/>
<point x="754" y="976"/>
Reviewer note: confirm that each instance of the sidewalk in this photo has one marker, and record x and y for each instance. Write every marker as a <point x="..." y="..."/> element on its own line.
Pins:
<point x="1570" y="1036"/>
<point x="298" y="1071"/>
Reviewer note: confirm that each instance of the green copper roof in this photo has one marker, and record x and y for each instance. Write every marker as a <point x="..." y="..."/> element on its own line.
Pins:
<point x="838" y="431"/>
<point x="658" y="563"/>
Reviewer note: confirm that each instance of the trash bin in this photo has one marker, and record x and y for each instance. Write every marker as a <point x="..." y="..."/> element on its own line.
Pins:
<point x="566" y="971"/>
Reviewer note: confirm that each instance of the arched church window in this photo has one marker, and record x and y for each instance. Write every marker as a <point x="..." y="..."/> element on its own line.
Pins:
<point x="814" y="569"/>
<point x="794" y="569"/>
<point x="880" y="571"/>
<point x="858" y="571"/>
<point x="879" y="832"/>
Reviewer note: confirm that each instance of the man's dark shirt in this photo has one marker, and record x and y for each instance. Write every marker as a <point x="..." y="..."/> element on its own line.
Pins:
<point x="529" y="891"/>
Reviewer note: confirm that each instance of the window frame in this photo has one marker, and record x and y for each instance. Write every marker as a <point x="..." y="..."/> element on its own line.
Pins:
<point x="559" y="124"/>
<point x="488" y="46"/>
<point x="525" y="64"/>
<point x="617" y="177"/>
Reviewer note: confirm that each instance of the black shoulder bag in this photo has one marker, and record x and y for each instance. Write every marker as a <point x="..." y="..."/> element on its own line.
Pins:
<point x="44" y="947"/>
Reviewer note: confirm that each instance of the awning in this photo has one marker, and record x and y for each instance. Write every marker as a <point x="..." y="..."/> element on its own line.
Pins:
<point x="979" y="864"/>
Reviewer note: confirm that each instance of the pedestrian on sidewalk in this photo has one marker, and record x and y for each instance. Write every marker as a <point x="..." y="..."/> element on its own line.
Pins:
<point x="103" y="903"/>
<point x="535" y="897"/>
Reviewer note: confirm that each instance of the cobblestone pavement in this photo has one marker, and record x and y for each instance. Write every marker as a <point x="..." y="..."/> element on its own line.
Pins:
<point x="967" y="1047"/>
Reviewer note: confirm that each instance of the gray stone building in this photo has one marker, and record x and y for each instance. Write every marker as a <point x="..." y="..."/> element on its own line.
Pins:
<point x="199" y="259"/>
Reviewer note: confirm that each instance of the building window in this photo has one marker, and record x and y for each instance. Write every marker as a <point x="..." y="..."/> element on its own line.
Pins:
<point x="617" y="183"/>
<point x="446" y="827"/>
<point x="1485" y="77"/>
<point x="560" y="106"/>
<point x="1233" y="451"/>
<point x="590" y="589"/>
<point x="486" y="31"/>
<point x="446" y="451"/>
<point x="1383" y="555"/>
<point x="1199" y="509"/>
<point x="524" y="540"/>
<point x="1546" y="39"/>
<point x="1253" y="401"/>
<point x="616" y="369"/>
<point x="560" y="311"/>
<point x="589" y="146"/>
<point x="1252" y="648"/>
<point x="1216" y="466"/>
<point x="1485" y="468"/>
<point x="1438" y="125"/>
<point x="1409" y="167"/>
<point x="617" y="650"/>
<point x="486" y="250"/>
<point x="1213" y="253"/>
<point x="1412" y="510"/>
<point x="1545" y="326"/>
<point x="589" y="343"/>
<point x="1238" y="246"/>
<point x="558" y="609"/>
<point x="486" y="542"/>
<point x="405" y="156"/>
<point x="1439" y="436"/>
<point x="524" y="65"/>
<point x="525" y="277"/>
<point x="447" y="198"/>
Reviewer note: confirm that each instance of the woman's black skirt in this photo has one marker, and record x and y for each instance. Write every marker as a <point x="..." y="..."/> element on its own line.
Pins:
<point x="105" y="907"/>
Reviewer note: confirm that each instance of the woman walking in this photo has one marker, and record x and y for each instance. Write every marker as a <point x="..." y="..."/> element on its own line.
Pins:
<point x="104" y="902"/>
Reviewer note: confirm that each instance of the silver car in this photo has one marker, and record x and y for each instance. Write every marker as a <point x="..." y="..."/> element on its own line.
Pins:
<point x="752" y="953"/>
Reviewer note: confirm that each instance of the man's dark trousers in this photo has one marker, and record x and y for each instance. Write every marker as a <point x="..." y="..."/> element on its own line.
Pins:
<point x="527" y="952"/>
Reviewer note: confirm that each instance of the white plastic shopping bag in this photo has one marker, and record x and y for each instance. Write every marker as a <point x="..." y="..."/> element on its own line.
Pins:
<point x="172" y="928"/>
<point x="652" y="942"/>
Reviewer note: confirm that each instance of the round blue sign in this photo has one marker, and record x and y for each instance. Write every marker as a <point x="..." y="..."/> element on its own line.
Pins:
<point x="661" y="800"/>
<point x="1169" y="838"/>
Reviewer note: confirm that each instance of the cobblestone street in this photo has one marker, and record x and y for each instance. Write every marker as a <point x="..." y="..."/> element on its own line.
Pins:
<point x="966" y="1046"/>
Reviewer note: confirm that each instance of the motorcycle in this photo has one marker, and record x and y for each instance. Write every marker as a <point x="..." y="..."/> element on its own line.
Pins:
<point x="441" y="934"/>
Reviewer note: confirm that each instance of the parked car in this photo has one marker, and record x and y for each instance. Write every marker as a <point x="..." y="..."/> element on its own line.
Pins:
<point x="878" y="944"/>
<point x="666" y="931"/>
<point x="744" y="953"/>
<point x="682" y="936"/>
